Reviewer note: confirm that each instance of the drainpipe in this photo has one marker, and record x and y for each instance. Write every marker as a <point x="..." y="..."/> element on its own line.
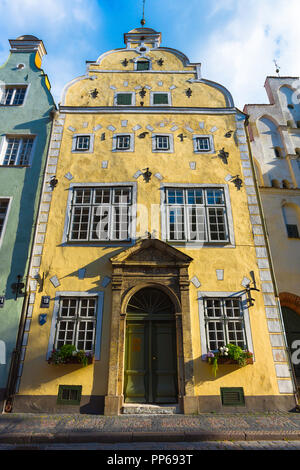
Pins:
<point x="16" y="355"/>
<point x="272" y="270"/>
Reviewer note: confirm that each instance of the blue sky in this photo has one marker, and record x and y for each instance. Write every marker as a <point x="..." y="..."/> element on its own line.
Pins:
<point x="235" y="40"/>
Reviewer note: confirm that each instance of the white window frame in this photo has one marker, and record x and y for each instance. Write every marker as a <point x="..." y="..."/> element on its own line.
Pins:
<point x="21" y="138"/>
<point x="115" y="142"/>
<point x="132" y="93"/>
<point x="201" y="311"/>
<point x="168" y="93"/>
<point x="74" y="143"/>
<point x="107" y="242"/>
<point x="2" y="234"/>
<point x="229" y="243"/>
<point x="162" y="134"/>
<point x="211" y="143"/>
<point x="99" y="316"/>
<point x="13" y="86"/>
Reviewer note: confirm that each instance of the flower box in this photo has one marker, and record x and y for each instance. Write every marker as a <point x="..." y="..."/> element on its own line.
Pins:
<point x="70" y="360"/>
<point x="229" y="361"/>
<point x="68" y="354"/>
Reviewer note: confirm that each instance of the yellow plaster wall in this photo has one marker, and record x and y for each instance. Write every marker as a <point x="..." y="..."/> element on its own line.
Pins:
<point x="64" y="261"/>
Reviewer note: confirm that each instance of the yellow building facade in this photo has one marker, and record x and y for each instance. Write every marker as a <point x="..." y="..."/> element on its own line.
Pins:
<point x="150" y="252"/>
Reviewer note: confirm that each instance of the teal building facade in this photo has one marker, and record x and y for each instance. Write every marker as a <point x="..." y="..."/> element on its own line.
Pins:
<point x="26" y="113"/>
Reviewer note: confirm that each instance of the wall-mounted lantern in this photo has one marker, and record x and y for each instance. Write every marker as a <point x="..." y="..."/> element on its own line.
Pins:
<point x="250" y="300"/>
<point x="181" y="137"/>
<point x="188" y="92"/>
<point x="125" y="62"/>
<point x="2" y="298"/>
<point x="45" y="301"/>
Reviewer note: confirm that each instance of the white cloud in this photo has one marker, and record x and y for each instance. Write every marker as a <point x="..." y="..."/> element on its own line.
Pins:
<point x="66" y="27"/>
<point x="239" y="52"/>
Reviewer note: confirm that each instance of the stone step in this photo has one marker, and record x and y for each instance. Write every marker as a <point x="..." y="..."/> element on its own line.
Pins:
<point x="146" y="409"/>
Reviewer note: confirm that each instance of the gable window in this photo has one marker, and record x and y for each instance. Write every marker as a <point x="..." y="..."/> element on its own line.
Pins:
<point x="143" y="65"/>
<point x="82" y="142"/>
<point x="76" y="323"/>
<point x="224" y="322"/>
<point x="100" y="214"/>
<point x="203" y="143"/>
<point x="17" y="151"/>
<point x="196" y="214"/>
<point x="13" y="95"/>
<point x="4" y="203"/>
<point x="124" y="99"/>
<point x="160" y="98"/>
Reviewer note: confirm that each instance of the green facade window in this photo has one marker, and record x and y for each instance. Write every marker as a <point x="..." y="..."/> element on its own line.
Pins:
<point x="143" y="65"/>
<point x="69" y="394"/>
<point x="232" y="396"/>
<point x="124" y="99"/>
<point x="160" y="98"/>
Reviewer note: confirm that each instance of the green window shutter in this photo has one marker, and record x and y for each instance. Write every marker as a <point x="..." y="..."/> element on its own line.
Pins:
<point x="124" y="98"/>
<point x="69" y="394"/>
<point x="143" y="65"/>
<point x="160" y="98"/>
<point x="232" y="396"/>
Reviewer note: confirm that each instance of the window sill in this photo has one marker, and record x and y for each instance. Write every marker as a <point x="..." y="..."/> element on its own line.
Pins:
<point x="14" y="166"/>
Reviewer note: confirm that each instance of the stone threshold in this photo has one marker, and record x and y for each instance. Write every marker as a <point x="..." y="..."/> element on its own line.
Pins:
<point x="149" y="409"/>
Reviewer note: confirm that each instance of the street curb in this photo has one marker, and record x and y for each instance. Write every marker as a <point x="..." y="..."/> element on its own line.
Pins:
<point x="126" y="437"/>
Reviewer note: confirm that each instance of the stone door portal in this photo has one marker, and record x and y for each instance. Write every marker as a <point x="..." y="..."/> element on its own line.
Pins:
<point x="150" y="372"/>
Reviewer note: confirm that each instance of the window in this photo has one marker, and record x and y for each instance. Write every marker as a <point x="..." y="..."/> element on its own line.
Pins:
<point x="76" y="323"/>
<point x="4" y="203"/>
<point x="160" y="98"/>
<point x="17" y="151"/>
<point x="203" y="144"/>
<point x="124" y="99"/>
<point x="196" y="214"/>
<point x="100" y="214"/>
<point x="224" y="322"/>
<point x="69" y="394"/>
<point x="13" y="96"/>
<point x="291" y="218"/>
<point x="123" y="142"/>
<point x="162" y="142"/>
<point x="143" y="65"/>
<point x="82" y="142"/>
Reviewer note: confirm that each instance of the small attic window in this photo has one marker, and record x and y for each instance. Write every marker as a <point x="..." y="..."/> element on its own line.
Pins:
<point x="143" y="65"/>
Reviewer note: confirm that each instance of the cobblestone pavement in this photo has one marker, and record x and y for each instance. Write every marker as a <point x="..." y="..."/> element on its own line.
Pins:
<point x="161" y="446"/>
<point x="278" y="428"/>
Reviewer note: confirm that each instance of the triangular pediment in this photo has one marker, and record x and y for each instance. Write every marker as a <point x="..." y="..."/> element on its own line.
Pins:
<point x="151" y="251"/>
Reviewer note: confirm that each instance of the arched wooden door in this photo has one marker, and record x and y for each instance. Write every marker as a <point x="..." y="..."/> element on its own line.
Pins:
<point x="150" y="374"/>
<point x="291" y="320"/>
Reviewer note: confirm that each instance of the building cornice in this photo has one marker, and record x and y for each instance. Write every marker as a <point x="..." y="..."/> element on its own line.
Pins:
<point x="143" y="110"/>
